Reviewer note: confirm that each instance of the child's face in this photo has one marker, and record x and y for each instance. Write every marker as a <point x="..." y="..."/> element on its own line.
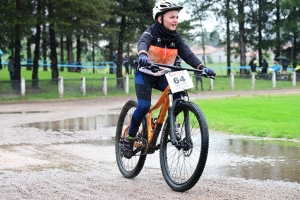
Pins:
<point x="170" y="20"/>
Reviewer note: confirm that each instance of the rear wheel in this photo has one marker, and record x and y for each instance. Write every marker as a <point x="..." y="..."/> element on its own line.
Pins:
<point x="182" y="166"/>
<point x="129" y="168"/>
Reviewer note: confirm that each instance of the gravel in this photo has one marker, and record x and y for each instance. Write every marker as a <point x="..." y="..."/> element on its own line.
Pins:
<point x="37" y="164"/>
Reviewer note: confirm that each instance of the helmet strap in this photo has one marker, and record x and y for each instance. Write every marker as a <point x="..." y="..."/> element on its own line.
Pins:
<point x="162" y="19"/>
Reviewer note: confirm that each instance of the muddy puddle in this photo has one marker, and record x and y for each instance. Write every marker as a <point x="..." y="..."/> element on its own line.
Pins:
<point x="77" y="124"/>
<point x="22" y="112"/>
<point x="250" y="158"/>
<point x="256" y="158"/>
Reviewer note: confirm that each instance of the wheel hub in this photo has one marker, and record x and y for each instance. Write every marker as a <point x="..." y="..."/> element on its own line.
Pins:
<point x="187" y="146"/>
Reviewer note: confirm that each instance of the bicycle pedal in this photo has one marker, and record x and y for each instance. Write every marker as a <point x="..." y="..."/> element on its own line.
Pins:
<point x="141" y="141"/>
<point x="141" y="144"/>
<point x="137" y="144"/>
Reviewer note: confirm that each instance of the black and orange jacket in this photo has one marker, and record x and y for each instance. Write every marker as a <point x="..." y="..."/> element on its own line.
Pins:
<point x="163" y="46"/>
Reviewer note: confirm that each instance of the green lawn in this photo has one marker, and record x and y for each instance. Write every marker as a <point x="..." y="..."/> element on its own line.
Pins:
<point x="275" y="116"/>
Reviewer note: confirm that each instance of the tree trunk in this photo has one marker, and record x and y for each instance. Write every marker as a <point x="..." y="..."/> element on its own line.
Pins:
<point x="120" y="82"/>
<point x="79" y="48"/>
<point x="70" y="52"/>
<point x="35" y="78"/>
<point x="228" y="39"/>
<point x="277" y="28"/>
<point x="17" y="74"/>
<point x="242" y="44"/>
<point x="260" y="56"/>
<point x="294" y="50"/>
<point x="44" y="45"/>
<point x="93" y="57"/>
<point x="62" y="60"/>
<point x="29" y="55"/>
<point x="295" y="47"/>
<point x="53" y="45"/>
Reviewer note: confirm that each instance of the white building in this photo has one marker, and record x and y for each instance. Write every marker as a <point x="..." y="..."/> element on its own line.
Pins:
<point x="211" y="53"/>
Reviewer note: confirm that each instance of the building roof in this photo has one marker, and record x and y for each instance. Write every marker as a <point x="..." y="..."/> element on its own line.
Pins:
<point x="208" y="49"/>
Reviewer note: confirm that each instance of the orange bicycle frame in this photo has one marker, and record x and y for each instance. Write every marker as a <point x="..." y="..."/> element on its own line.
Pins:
<point x="154" y="127"/>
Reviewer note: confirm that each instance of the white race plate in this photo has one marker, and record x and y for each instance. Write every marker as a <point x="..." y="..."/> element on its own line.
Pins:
<point x="179" y="81"/>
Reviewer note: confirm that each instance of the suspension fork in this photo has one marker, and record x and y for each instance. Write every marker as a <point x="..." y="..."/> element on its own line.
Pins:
<point x="186" y="116"/>
<point x="171" y="108"/>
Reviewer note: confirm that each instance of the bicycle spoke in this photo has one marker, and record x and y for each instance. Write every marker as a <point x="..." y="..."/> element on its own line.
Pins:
<point x="182" y="165"/>
<point x="133" y="166"/>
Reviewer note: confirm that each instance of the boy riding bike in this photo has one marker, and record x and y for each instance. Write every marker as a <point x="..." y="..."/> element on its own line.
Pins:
<point x="160" y="43"/>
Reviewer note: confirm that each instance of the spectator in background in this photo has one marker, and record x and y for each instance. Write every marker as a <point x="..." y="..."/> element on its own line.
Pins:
<point x="115" y="56"/>
<point x="265" y="66"/>
<point x="132" y="58"/>
<point x="11" y="70"/>
<point x="198" y="78"/>
<point x="255" y="65"/>
<point x="252" y="65"/>
<point x="114" y="59"/>
<point x="284" y="66"/>
<point x="126" y="64"/>
<point x="11" y="67"/>
<point x="276" y="67"/>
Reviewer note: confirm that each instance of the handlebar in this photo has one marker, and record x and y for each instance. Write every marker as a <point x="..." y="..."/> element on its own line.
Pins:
<point x="155" y="67"/>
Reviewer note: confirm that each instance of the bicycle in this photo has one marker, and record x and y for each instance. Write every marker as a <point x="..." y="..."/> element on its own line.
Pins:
<point x="184" y="134"/>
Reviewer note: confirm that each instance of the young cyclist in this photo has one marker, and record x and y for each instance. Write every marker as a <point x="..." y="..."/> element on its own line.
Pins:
<point x="160" y="43"/>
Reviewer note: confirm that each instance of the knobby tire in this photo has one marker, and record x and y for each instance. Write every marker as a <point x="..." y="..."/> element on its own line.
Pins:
<point x="182" y="168"/>
<point x="129" y="168"/>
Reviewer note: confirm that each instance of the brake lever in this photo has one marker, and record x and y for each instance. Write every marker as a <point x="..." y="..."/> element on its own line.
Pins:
<point x="205" y="75"/>
<point x="155" y="69"/>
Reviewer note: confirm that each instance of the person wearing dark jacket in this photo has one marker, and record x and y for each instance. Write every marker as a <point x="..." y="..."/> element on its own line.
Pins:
<point x="160" y="43"/>
<point x="132" y="58"/>
<point x="11" y="67"/>
<point x="265" y="66"/>
<point x="11" y="70"/>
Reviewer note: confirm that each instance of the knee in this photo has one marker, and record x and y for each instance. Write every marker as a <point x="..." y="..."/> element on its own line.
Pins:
<point x="143" y="106"/>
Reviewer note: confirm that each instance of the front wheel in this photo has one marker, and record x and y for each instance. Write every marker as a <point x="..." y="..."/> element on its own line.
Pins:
<point x="129" y="168"/>
<point x="183" y="165"/>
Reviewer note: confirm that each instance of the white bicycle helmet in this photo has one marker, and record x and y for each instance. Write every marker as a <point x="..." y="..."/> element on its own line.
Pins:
<point x="164" y="6"/>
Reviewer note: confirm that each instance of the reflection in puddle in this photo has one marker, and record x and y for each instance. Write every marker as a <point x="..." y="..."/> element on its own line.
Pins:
<point x="255" y="159"/>
<point x="102" y="141"/>
<point x="77" y="124"/>
<point x="23" y="112"/>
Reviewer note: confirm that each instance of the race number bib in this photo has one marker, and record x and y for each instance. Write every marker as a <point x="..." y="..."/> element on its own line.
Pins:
<point x="179" y="81"/>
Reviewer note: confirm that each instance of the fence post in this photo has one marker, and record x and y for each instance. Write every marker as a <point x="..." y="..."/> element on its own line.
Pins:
<point x="127" y="84"/>
<point x="104" y="85"/>
<point x="211" y="84"/>
<point x="294" y="79"/>
<point x="83" y="86"/>
<point x="253" y="80"/>
<point x="61" y="87"/>
<point x="232" y="81"/>
<point x="274" y="79"/>
<point x="23" y="87"/>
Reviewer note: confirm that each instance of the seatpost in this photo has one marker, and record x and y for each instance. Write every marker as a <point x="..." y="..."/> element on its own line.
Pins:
<point x="171" y="119"/>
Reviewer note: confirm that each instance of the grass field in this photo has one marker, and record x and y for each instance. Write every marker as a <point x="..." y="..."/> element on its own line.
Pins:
<point x="275" y="116"/>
